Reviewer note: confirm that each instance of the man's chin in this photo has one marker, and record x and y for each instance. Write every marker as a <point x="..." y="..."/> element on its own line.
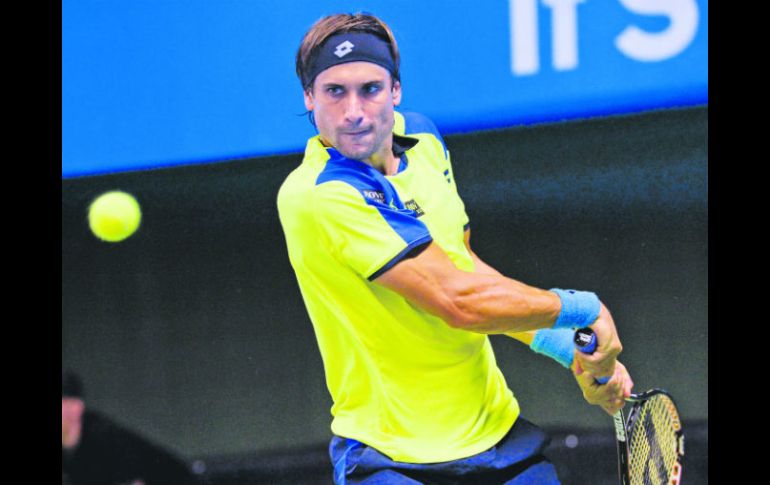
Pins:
<point x="360" y="155"/>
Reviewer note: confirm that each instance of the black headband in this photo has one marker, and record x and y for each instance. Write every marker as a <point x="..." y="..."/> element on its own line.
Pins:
<point x="351" y="47"/>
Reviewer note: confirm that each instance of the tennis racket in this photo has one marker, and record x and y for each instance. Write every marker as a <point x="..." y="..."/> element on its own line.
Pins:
<point x="651" y="442"/>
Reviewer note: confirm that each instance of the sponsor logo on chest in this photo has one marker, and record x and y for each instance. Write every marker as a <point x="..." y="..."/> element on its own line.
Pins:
<point x="375" y="195"/>
<point x="379" y="197"/>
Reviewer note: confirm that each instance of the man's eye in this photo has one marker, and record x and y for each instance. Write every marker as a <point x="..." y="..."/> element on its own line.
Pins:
<point x="334" y="90"/>
<point x="372" y="89"/>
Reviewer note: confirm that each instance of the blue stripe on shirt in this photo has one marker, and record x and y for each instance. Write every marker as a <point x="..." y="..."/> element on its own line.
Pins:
<point x="365" y="178"/>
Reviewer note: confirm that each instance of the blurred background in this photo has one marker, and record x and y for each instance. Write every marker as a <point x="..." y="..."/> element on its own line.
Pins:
<point x="578" y="133"/>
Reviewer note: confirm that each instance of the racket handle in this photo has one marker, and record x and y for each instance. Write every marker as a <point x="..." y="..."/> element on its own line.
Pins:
<point x="585" y="341"/>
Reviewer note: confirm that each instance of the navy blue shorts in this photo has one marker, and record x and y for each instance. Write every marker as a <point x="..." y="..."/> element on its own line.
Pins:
<point x="516" y="460"/>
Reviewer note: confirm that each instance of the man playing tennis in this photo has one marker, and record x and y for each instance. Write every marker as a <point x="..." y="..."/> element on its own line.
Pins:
<point x="401" y="306"/>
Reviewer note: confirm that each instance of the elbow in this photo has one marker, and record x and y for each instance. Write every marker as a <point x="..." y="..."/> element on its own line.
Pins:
<point x="465" y="323"/>
<point x="459" y="322"/>
<point x="471" y="322"/>
<point x="462" y="309"/>
<point x="460" y="318"/>
<point x="481" y="316"/>
<point x="458" y="299"/>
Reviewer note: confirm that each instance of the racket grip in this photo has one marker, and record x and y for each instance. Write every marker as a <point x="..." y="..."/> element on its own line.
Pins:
<point x="585" y="341"/>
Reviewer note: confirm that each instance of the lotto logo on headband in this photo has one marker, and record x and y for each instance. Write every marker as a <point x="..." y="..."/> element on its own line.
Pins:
<point x="344" y="49"/>
<point x="350" y="47"/>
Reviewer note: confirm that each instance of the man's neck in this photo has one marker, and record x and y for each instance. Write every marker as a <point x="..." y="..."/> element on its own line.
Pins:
<point x="387" y="162"/>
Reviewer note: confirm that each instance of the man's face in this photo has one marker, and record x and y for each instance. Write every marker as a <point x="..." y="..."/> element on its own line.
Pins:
<point x="353" y="108"/>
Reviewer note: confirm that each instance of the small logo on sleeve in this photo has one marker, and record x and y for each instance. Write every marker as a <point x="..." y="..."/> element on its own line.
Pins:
<point x="414" y="206"/>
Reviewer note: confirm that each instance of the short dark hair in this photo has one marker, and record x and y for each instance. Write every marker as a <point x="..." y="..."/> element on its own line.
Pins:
<point x="330" y="25"/>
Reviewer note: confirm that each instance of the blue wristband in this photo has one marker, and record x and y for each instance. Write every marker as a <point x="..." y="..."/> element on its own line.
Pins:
<point x="557" y="344"/>
<point x="578" y="308"/>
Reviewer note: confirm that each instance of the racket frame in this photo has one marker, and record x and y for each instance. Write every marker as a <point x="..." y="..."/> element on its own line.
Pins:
<point x="638" y="401"/>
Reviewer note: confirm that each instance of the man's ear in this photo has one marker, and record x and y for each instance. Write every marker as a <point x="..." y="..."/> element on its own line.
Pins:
<point x="396" y="93"/>
<point x="308" y="99"/>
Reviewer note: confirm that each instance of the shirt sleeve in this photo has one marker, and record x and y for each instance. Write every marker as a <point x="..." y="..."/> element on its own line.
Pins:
<point x="365" y="233"/>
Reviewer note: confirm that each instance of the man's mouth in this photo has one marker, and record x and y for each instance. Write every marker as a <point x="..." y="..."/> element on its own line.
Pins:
<point x="356" y="132"/>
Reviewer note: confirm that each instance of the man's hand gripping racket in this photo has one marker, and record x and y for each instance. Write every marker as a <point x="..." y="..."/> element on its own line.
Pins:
<point x="651" y="442"/>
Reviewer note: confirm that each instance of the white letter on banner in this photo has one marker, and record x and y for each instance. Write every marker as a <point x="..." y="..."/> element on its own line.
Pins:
<point x="651" y="47"/>
<point x="564" y="32"/>
<point x="524" y="42"/>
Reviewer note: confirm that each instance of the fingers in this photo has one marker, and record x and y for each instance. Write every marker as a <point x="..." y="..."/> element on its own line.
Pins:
<point x="619" y="388"/>
<point x="597" y="364"/>
<point x="614" y="399"/>
<point x="596" y="393"/>
<point x="610" y="396"/>
<point x="628" y="386"/>
<point x="587" y="382"/>
<point x="606" y="334"/>
<point x="603" y="362"/>
<point x="577" y="368"/>
<point x="613" y="407"/>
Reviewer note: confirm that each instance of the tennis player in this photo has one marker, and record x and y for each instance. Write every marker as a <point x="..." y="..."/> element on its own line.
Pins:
<point x="401" y="306"/>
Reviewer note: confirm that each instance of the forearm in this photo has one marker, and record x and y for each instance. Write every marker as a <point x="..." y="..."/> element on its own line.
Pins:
<point x="480" y="267"/>
<point x="484" y="303"/>
<point x="577" y="309"/>
<point x="495" y="304"/>
<point x="477" y="302"/>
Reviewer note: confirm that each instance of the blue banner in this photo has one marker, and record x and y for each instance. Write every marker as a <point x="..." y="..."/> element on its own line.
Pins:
<point x="149" y="84"/>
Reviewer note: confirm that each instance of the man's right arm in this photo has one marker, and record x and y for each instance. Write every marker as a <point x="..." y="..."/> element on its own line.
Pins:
<point x="490" y="303"/>
<point x="476" y="302"/>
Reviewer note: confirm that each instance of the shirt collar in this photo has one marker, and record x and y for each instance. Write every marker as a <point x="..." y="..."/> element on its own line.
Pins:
<point x="402" y="143"/>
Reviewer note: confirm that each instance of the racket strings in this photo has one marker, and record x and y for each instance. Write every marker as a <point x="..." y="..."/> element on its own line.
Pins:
<point x="653" y="448"/>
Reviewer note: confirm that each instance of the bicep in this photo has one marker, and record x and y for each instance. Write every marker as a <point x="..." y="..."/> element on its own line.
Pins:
<point x="477" y="302"/>
<point x="425" y="280"/>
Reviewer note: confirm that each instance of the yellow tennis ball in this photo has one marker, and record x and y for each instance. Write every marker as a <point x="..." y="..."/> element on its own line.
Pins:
<point x="114" y="216"/>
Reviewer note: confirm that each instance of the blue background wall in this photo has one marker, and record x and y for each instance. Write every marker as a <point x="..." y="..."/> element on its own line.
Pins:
<point x="149" y="84"/>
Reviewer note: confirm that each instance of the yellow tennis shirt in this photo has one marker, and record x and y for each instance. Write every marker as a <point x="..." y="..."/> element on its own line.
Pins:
<point x="402" y="380"/>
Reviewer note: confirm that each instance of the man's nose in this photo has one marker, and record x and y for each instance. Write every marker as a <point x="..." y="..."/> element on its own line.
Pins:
<point x="354" y="112"/>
